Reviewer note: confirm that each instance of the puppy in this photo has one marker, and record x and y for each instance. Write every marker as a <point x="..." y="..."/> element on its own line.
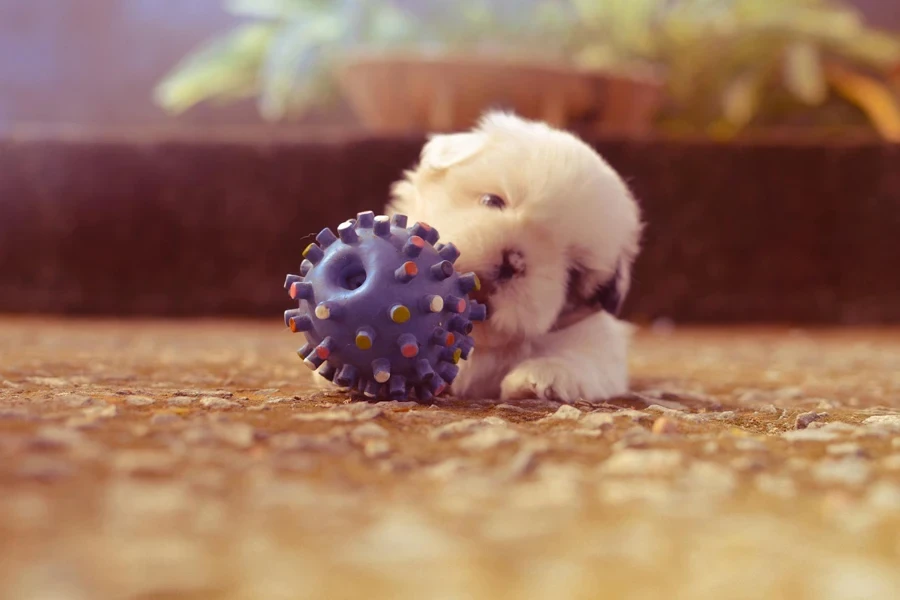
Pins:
<point x="552" y="232"/>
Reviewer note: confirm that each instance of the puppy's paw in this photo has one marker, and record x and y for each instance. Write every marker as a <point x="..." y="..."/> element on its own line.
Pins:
<point x="549" y="378"/>
<point x="562" y="381"/>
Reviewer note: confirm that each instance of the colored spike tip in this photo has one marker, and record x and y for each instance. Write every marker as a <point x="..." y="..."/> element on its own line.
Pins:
<point x="384" y="312"/>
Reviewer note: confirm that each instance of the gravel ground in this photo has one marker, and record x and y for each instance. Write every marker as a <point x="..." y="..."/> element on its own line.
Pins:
<point x="192" y="460"/>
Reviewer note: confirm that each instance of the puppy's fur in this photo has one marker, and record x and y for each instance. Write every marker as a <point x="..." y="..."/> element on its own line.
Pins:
<point x="555" y="262"/>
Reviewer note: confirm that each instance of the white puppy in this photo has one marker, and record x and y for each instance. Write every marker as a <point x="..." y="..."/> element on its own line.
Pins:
<point x="552" y="232"/>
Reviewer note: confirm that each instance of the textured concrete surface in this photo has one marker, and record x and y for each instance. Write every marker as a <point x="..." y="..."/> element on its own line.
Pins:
<point x="192" y="460"/>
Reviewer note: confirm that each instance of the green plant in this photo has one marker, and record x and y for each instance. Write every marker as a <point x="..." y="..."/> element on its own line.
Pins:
<point x="287" y="52"/>
<point x="730" y="64"/>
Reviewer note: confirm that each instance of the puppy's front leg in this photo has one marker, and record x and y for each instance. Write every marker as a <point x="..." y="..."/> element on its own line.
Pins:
<point x="588" y="360"/>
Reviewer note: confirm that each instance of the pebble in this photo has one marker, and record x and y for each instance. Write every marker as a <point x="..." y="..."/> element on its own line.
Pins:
<point x="776" y="485"/>
<point x="368" y="431"/>
<point x="810" y="435"/>
<point x="139" y="401"/>
<point x="57" y="437"/>
<point x="488" y="438"/>
<point x="750" y="445"/>
<point x="155" y="463"/>
<point x="889" y="422"/>
<point x="804" y="419"/>
<point x="846" y="449"/>
<point x="76" y="401"/>
<point x="849" y="471"/>
<point x="664" y="426"/>
<point x="207" y="393"/>
<point x="336" y="416"/>
<point x="164" y="418"/>
<point x="884" y="495"/>
<point x="239" y="435"/>
<point x="376" y="448"/>
<point x="215" y="403"/>
<point x="566" y="412"/>
<point x="597" y="420"/>
<point x="181" y="401"/>
<point x="43" y="469"/>
<point x="101" y="412"/>
<point x="642" y="462"/>
<point x="456" y="428"/>
<point x="294" y="442"/>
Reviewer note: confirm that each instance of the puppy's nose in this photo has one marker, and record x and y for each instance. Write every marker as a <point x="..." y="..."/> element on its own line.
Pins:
<point x="513" y="265"/>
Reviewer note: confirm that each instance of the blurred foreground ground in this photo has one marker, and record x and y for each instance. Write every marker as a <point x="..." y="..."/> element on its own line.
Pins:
<point x="192" y="460"/>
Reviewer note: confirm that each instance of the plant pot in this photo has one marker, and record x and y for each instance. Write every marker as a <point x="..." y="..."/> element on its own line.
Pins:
<point x="393" y="94"/>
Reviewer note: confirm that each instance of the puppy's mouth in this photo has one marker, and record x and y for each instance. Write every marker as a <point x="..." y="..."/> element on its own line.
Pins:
<point x="511" y="267"/>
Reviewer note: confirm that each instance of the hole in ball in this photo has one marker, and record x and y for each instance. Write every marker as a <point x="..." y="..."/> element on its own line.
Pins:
<point x="352" y="276"/>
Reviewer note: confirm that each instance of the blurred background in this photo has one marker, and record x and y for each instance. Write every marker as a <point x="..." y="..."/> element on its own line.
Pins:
<point x="165" y="157"/>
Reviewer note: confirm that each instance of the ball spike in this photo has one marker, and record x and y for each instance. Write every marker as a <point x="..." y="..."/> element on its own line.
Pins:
<point x="313" y="253"/>
<point x="406" y="272"/>
<point x="423" y="369"/>
<point x="452" y="355"/>
<point x="449" y="252"/>
<point x="301" y="290"/>
<point x="455" y="304"/>
<point x="442" y="270"/>
<point x="365" y="337"/>
<point x="423" y="394"/>
<point x="305" y="266"/>
<point x="469" y="283"/>
<point x="304" y="350"/>
<point x="327" y="371"/>
<point x="477" y="312"/>
<point x="399" y="220"/>
<point x="347" y="232"/>
<point x="347" y="376"/>
<point x="399" y="313"/>
<point x="413" y="246"/>
<point x="420" y="229"/>
<point x="426" y="232"/>
<point x="313" y="361"/>
<point x="381" y="369"/>
<point x="437" y="385"/>
<point x="442" y="337"/>
<point x="365" y="220"/>
<point x="329" y="310"/>
<point x="372" y="389"/>
<point x="325" y="348"/>
<point x="326" y="237"/>
<point x="398" y="389"/>
<point x="432" y="304"/>
<point x="382" y="226"/>
<point x="448" y="371"/>
<point x="459" y="324"/>
<point x="409" y="346"/>
<point x="466" y="346"/>
<point x="290" y="280"/>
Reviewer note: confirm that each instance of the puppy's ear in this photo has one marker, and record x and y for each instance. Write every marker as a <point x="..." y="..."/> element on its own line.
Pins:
<point x="444" y="151"/>
<point x="591" y="290"/>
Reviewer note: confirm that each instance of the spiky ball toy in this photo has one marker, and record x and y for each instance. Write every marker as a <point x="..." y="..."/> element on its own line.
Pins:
<point x="383" y="309"/>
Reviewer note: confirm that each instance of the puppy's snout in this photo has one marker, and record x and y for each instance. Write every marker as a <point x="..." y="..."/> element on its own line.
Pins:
<point x="513" y="265"/>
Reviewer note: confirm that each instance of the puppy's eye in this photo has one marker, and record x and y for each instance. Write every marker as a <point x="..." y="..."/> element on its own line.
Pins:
<point x="493" y="201"/>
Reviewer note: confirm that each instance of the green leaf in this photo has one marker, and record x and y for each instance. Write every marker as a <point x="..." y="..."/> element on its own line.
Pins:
<point x="741" y="99"/>
<point x="294" y="56"/>
<point x="804" y="76"/>
<point x="226" y="66"/>
<point x="268" y="9"/>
